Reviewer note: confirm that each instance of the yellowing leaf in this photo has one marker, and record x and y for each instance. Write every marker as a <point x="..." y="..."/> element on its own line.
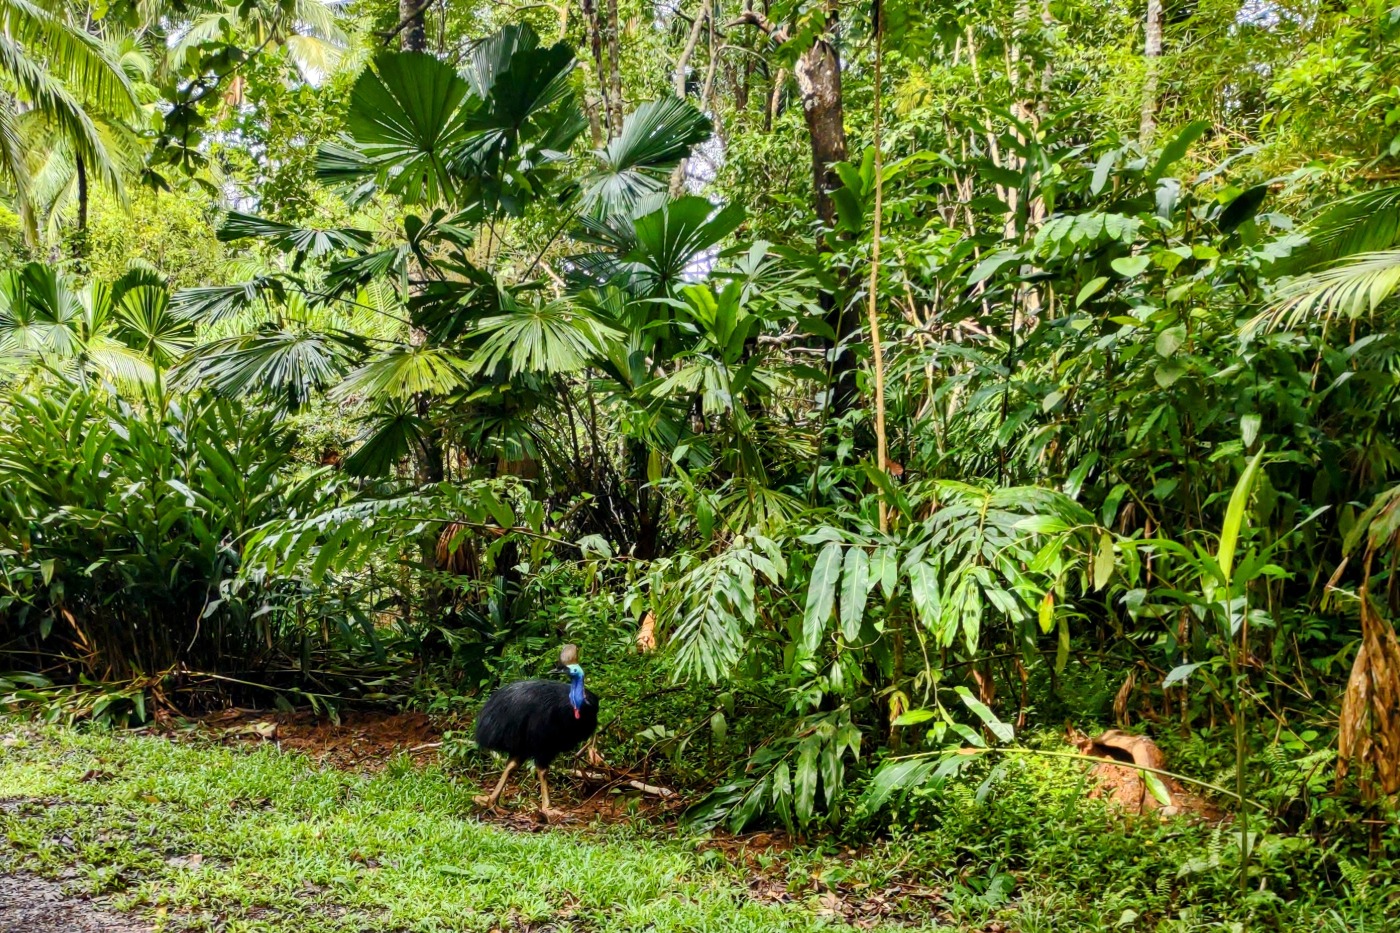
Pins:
<point x="1047" y="612"/>
<point x="1103" y="561"/>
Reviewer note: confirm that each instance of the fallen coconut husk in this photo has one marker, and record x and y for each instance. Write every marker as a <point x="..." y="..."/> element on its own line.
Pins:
<point x="1127" y="786"/>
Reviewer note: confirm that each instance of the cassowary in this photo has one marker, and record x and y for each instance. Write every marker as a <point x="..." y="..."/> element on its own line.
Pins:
<point x="537" y="720"/>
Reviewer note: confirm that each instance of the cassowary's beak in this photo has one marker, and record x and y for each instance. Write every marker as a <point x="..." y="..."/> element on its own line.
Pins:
<point x="559" y="667"/>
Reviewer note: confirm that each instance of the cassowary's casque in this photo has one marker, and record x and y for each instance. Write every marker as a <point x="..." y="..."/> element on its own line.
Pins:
<point x="537" y="720"/>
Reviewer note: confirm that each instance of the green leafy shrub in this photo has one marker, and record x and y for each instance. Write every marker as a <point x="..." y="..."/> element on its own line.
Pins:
<point x="122" y="528"/>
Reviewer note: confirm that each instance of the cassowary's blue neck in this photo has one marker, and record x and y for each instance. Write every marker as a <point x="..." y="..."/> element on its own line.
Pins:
<point x="576" y="694"/>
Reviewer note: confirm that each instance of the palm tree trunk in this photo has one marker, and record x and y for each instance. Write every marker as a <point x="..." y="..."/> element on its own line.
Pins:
<point x="678" y="81"/>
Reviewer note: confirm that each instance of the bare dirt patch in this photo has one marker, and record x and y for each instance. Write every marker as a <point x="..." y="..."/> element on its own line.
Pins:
<point x="34" y="905"/>
<point x="361" y="741"/>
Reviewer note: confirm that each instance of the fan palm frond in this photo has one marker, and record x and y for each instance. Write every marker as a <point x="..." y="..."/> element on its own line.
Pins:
<point x="71" y="56"/>
<point x="403" y="372"/>
<point x="277" y="362"/>
<point x="550" y="338"/>
<point x="390" y="434"/>
<point x="146" y="325"/>
<point x="639" y="161"/>
<point x="115" y="362"/>
<point x="48" y="94"/>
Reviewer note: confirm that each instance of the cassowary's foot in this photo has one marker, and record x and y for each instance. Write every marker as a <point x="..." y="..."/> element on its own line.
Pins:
<point x="551" y="815"/>
<point x="489" y="800"/>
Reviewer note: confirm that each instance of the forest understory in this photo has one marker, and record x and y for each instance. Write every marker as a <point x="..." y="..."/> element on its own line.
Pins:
<point x="938" y="461"/>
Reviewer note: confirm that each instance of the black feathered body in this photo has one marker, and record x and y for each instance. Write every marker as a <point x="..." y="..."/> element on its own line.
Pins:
<point x="533" y="719"/>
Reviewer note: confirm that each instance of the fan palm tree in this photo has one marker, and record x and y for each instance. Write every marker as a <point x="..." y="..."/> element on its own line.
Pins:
<point x="472" y="149"/>
<point x="124" y="333"/>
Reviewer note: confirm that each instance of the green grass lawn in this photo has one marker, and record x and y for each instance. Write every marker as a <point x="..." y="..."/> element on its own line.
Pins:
<point x="286" y="846"/>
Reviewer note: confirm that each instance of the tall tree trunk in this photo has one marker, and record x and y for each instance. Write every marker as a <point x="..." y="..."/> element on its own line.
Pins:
<point x="595" y="43"/>
<point x="678" y="82"/>
<point x="1152" y="52"/>
<point x="80" y="244"/>
<point x="414" y="37"/>
<point x="430" y="466"/>
<point x="647" y="544"/>
<point x="692" y="41"/>
<point x="775" y="99"/>
<point x="743" y="81"/>
<point x="818" y="74"/>
<point x="613" y="35"/>
<point x="1047" y="75"/>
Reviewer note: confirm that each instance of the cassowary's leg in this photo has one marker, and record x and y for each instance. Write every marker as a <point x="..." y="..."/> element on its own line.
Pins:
<point x="548" y="812"/>
<point x="500" y="786"/>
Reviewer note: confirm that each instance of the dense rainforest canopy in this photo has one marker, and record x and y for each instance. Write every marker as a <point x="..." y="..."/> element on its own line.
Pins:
<point x="871" y="388"/>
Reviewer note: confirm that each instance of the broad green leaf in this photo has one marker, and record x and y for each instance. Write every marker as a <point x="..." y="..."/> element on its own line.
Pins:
<point x="854" y="588"/>
<point x="1131" y="266"/>
<point x="719" y="727"/>
<point x="1170" y="340"/>
<point x="896" y="775"/>
<point x="969" y="734"/>
<point x="1179" y="674"/>
<point x="1062" y="648"/>
<point x="498" y="509"/>
<point x="1249" y="428"/>
<point x="1243" y="207"/>
<point x="1047" y="612"/>
<point x="989" y="266"/>
<point x="1041" y="524"/>
<point x="923" y="587"/>
<point x="913" y="717"/>
<point x="1167" y="373"/>
<point x="805" y="784"/>
<point x="1090" y="289"/>
<point x="1157" y="788"/>
<point x="1173" y="151"/>
<point x="821" y="595"/>
<point x="1003" y="731"/>
<point x="884" y="569"/>
<point x="1102" y="170"/>
<point x="1234" y="516"/>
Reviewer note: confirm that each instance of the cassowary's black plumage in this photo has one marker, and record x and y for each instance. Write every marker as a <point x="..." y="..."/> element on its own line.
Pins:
<point x="537" y="720"/>
<point x="533" y="720"/>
